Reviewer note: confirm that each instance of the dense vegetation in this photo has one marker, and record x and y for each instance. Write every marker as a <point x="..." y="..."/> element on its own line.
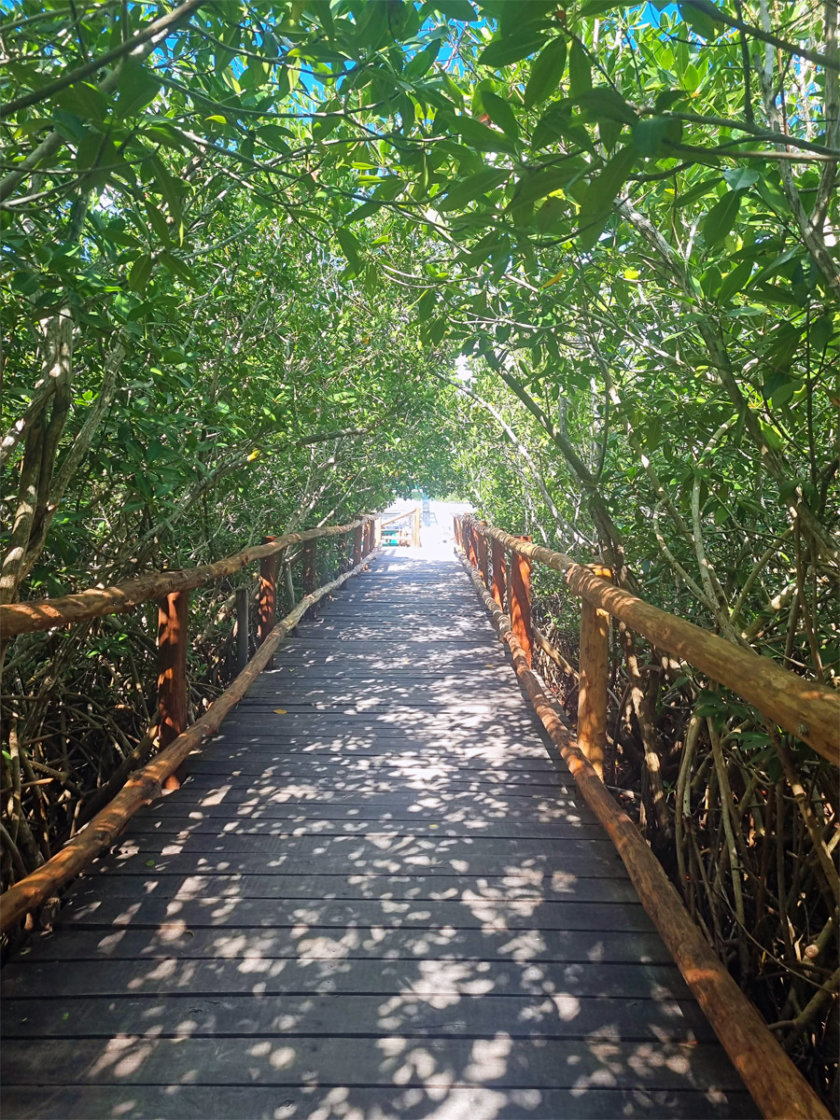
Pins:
<point x="245" y="244"/>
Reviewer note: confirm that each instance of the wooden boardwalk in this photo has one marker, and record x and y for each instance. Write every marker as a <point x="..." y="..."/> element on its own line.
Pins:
<point x="377" y="896"/>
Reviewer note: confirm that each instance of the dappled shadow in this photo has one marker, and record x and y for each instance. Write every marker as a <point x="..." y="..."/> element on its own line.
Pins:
<point x="374" y="897"/>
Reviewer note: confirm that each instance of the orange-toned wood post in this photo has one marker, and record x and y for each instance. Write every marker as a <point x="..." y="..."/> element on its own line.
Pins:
<point x="267" y="599"/>
<point x="415" y="528"/>
<point x="172" y="672"/>
<point x="481" y="554"/>
<point x="519" y="594"/>
<point x="367" y="542"/>
<point x="472" y="551"/>
<point x="456" y="531"/>
<point x="497" y="556"/>
<point x="594" y="673"/>
<point x="242" y="613"/>
<point x="310" y="567"/>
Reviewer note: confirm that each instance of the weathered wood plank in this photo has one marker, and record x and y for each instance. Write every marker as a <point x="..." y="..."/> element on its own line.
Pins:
<point x="397" y="1060"/>
<point x="526" y="1017"/>
<point x="244" y="907"/>
<point x="72" y="1102"/>
<point x="350" y="941"/>
<point x="530" y="886"/>
<point x="421" y="977"/>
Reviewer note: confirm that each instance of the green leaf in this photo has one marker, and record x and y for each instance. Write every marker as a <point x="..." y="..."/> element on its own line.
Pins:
<point x="580" y="74"/>
<point x="136" y="85"/>
<point x="822" y="331"/>
<point x="741" y="178"/>
<point x="140" y="273"/>
<point x="84" y="100"/>
<point x="596" y="207"/>
<point x="537" y="184"/>
<point x="460" y="193"/>
<point x="455" y="9"/>
<point x="721" y="218"/>
<point x="650" y="132"/>
<point x="704" y="22"/>
<point x="778" y="387"/>
<point x="511" y="48"/>
<point x="546" y="71"/>
<point x="604" y="102"/>
<point x="478" y="135"/>
<point x="734" y="281"/>
<point x="698" y="190"/>
<point x="603" y="189"/>
<point x="350" y="248"/>
<point x="501" y="114"/>
<point x="422" y="61"/>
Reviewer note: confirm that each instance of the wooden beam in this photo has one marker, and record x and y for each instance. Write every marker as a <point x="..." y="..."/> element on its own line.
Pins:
<point x="592" y="682"/>
<point x="805" y="708"/>
<point x="519" y="592"/>
<point x="173" y="614"/>
<point x="497" y="557"/>
<point x="46" y="614"/>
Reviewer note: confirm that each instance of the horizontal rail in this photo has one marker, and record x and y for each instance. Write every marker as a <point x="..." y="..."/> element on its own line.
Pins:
<point x="400" y="517"/>
<point x="806" y="709"/>
<point x="96" y="602"/>
<point x="146" y="784"/>
<point x="774" y="1082"/>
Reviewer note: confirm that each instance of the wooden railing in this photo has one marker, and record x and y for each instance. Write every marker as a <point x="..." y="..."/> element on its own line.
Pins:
<point x="500" y="566"/>
<point x="806" y="709"/>
<point x="412" y="515"/>
<point x="170" y="589"/>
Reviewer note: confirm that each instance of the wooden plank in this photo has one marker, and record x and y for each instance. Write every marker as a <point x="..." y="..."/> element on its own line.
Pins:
<point x="422" y="977"/>
<point x="189" y="1102"/>
<point x="281" y="829"/>
<point x="351" y="941"/>
<point x="525" y="1016"/>
<point x="354" y="770"/>
<point x="396" y="1061"/>
<point x="488" y="853"/>
<point x="423" y="811"/>
<point x="94" y="898"/>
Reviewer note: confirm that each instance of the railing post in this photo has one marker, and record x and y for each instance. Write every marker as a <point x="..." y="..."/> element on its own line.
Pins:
<point x="519" y="594"/>
<point x="415" y="528"/>
<point x="481" y="553"/>
<point x="172" y="672"/>
<point x="472" y="553"/>
<point x="594" y="671"/>
<point x="358" y="535"/>
<point x="242" y="621"/>
<point x="497" y="555"/>
<point x="456" y="530"/>
<point x="310" y="567"/>
<point x="377" y="532"/>
<point x="267" y="599"/>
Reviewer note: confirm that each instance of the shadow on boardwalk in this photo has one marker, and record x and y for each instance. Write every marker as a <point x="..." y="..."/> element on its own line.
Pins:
<point x="376" y="896"/>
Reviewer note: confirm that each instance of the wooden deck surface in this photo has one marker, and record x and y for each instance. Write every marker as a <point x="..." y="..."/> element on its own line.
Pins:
<point x="377" y="896"/>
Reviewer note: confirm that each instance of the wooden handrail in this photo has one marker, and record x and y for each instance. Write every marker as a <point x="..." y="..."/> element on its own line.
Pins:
<point x="95" y="602"/>
<point x="806" y="709"/>
<point x="400" y="517"/>
<point x="776" y="1085"/>
<point x="145" y="785"/>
